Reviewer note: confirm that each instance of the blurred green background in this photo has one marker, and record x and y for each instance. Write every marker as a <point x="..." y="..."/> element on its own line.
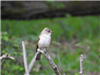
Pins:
<point x="73" y="36"/>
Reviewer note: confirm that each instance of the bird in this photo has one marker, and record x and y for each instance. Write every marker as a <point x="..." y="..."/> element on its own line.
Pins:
<point x="44" y="40"/>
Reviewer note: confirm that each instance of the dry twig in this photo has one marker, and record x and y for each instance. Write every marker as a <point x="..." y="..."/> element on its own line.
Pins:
<point x="25" y="59"/>
<point x="53" y="65"/>
<point x="81" y="65"/>
<point x="33" y="61"/>
<point x="7" y="57"/>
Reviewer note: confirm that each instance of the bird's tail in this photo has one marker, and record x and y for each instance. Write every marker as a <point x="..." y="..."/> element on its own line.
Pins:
<point x="38" y="56"/>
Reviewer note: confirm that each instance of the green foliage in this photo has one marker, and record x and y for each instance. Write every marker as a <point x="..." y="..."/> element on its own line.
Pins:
<point x="50" y="1"/>
<point x="66" y="30"/>
<point x="61" y="5"/>
<point x="81" y="27"/>
<point x="54" y="6"/>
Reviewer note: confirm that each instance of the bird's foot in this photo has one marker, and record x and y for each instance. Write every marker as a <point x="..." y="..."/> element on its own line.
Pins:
<point x="40" y="51"/>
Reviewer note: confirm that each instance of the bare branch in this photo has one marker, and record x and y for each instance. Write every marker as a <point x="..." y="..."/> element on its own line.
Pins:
<point x="7" y="57"/>
<point x="81" y="65"/>
<point x="25" y="59"/>
<point x="28" y="69"/>
<point x="33" y="61"/>
<point x="53" y="65"/>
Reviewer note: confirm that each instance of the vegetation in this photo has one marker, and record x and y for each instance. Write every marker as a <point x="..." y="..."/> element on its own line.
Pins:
<point x="72" y="36"/>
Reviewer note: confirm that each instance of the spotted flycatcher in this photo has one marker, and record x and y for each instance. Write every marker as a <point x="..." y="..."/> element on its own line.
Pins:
<point x="43" y="40"/>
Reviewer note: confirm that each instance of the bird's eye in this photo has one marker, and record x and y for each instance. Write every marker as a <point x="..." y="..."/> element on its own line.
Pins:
<point x="48" y="31"/>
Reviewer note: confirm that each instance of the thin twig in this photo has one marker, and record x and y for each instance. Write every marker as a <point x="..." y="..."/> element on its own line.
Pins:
<point x="81" y="65"/>
<point x="7" y="57"/>
<point x="25" y="59"/>
<point x="33" y="61"/>
<point x="53" y="65"/>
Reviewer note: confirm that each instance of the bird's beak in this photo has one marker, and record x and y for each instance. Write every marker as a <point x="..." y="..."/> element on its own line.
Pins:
<point x="52" y="32"/>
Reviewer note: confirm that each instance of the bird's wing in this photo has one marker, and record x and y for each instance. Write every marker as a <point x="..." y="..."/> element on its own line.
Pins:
<point x="37" y="44"/>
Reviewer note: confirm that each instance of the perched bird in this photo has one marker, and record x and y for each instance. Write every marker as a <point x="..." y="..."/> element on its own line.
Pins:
<point x="43" y="40"/>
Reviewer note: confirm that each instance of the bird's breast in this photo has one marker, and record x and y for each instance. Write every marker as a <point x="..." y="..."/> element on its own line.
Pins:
<point x="44" y="40"/>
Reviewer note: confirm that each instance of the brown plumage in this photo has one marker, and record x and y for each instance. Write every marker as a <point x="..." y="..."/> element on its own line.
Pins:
<point x="39" y="55"/>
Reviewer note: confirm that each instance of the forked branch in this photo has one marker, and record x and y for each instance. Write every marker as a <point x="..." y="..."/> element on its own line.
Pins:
<point x="28" y="68"/>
